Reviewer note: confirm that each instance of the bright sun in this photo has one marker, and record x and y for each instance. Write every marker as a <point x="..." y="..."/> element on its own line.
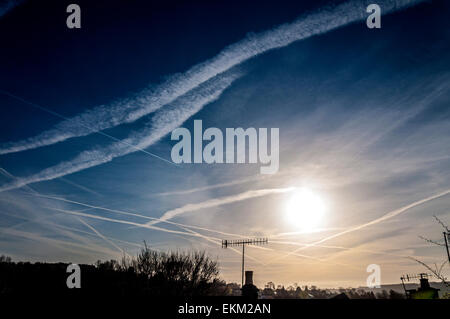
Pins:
<point x="305" y="210"/>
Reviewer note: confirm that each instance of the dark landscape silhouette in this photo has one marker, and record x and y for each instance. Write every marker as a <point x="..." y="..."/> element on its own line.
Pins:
<point x="155" y="274"/>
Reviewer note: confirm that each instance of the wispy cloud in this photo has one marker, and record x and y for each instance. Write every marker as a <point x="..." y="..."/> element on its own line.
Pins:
<point x="164" y="121"/>
<point x="57" y="235"/>
<point x="125" y="213"/>
<point x="67" y="244"/>
<point x="126" y="222"/>
<point x="186" y="228"/>
<point x="189" y="232"/>
<point x="170" y="214"/>
<point x="220" y="201"/>
<point x="210" y="187"/>
<point x="386" y="216"/>
<point x="130" y="109"/>
<point x="357" y="249"/>
<point x="100" y="235"/>
<point x="134" y="245"/>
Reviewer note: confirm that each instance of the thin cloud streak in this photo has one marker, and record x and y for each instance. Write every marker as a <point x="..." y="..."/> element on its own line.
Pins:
<point x="209" y="187"/>
<point x="121" y="212"/>
<point x="293" y="243"/>
<point x="83" y="188"/>
<point x="189" y="231"/>
<point x="67" y="232"/>
<point x="94" y="234"/>
<point x="56" y="242"/>
<point x="164" y="121"/>
<point x="150" y="100"/>
<point x="375" y="221"/>
<point x="214" y="240"/>
<point x="101" y="235"/>
<point x="120" y="221"/>
<point x="98" y="132"/>
<point x="220" y="201"/>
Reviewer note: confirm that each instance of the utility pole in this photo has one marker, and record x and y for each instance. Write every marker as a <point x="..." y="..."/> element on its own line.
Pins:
<point x="446" y="238"/>
<point x="243" y="242"/>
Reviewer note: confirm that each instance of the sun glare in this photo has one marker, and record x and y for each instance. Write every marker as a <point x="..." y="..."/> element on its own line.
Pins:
<point x="305" y="210"/>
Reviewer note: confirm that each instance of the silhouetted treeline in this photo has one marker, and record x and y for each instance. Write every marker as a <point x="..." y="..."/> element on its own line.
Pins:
<point x="313" y="292"/>
<point x="151" y="273"/>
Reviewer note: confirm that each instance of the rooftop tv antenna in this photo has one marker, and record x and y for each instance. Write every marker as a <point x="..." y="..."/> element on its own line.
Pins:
<point x="243" y="242"/>
<point x="414" y="276"/>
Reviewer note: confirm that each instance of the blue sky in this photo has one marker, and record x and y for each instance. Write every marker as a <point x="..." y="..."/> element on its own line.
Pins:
<point x="363" y="117"/>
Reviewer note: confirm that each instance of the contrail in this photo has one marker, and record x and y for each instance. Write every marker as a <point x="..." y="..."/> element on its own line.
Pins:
<point x="84" y="188"/>
<point x="293" y="243"/>
<point x="318" y="230"/>
<point x="121" y="212"/>
<point x="209" y="187"/>
<point x="56" y="242"/>
<point x="375" y="221"/>
<point x="98" y="132"/>
<point x="35" y="193"/>
<point x="120" y="221"/>
<point x="219" y="185"/>
<point x="182" y="226"/>
<point x="149" y="100"/>
<point x="189" y="232"/>
<point x="90" y="233"/>
<point x="307" y="257"/>
<point x="101" y="235"/>
<point x="214" y="240"/>
<point x="164" y="121"/>
<point x="220" y="201"/>
<point x="8" y="174"/>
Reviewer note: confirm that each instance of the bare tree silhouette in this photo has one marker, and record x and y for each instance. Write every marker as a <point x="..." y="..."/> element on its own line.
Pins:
<point x="150" y="273"/>
<point x="436" y="270"/>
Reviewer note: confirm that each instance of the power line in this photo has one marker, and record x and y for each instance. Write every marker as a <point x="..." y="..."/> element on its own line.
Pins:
<point x="446" y="239"/>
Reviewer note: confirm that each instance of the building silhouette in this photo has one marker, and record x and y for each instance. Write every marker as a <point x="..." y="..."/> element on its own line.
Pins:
<point x="249" y="290"/>
<point x="425" y="291"/>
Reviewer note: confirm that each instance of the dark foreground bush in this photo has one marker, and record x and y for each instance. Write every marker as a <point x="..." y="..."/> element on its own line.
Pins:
<point x="151" y="273"/>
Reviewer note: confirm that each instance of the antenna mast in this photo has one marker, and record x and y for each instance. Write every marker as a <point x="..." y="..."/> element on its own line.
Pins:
<point x="243" y="242"/>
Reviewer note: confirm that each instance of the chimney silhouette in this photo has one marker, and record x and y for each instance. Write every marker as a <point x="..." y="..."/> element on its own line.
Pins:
<point x="249" y="277"/>
<point x="249" y="290"/>
<point x="424" y="284"/>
